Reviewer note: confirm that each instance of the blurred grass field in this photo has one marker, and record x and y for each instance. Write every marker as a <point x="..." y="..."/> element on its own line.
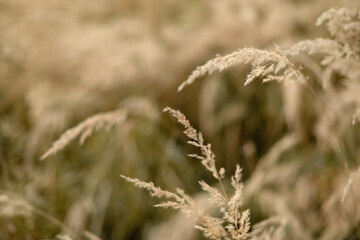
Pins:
<point x="64" y="61"/>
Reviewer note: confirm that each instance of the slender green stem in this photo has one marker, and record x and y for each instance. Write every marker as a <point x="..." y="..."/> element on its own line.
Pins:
<point x="223" y="189"/>
<point x="55" y="221"/>
<point x="327" y="116"/>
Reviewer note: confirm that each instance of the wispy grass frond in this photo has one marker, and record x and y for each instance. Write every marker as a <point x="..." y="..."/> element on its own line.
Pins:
<point x="343" y="24"/>
<point x="235" y="224"/>
<point x="196" y="139"/>
<point x="131" y="106"/>
<point x="154" y="191"/>
<point x="86" y="128"/>
<point x="268" y="65"/>
<point x="216" y="198"/>
<point x="317" y="46"/>
<point x="212" y="227"/>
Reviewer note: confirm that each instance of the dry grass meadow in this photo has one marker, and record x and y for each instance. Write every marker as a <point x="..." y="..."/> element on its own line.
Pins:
<point x="91" y="93"/>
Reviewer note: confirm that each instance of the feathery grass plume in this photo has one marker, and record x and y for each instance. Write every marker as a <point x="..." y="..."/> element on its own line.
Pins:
<point x="235" y="224"/>
<point x="212" y="227"/>
<point x="86" y="128"/>
<point x="131" y="106"/>
<point x="197" y="140"/>
<point x="238" y="222"/>
<point x="343" y="24"/>
<point x="330" y="48"/>
<point x="269" y="65"/>
<point x="336" y="57"/>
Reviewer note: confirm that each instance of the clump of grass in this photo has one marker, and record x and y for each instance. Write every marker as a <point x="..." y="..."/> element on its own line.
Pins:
<point x="296" y="183"/>
<point x="338" y="54"/>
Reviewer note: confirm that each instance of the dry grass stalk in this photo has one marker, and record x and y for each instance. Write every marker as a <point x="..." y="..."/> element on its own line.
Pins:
<point x="234" y="224"/>
<point x="129" y="107"/>
<point x="271" y="65"/>
<point x="86" y="128"/>
<point x="349" y="184"/>
<point x="212" y="227"/>
<point x="268" y="65"/>
<point x="197" y="140"/>
<point x="317" y="46"/>
<point x="343" y="24"/>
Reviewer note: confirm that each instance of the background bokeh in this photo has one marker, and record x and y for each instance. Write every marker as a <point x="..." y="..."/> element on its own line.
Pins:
<point x="64" y="61"/>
